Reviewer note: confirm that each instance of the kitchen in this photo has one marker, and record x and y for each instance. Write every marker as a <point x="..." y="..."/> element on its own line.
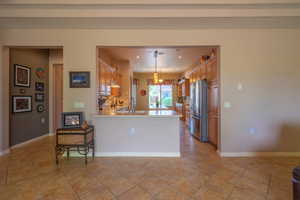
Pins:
<point x="146" y="94"/>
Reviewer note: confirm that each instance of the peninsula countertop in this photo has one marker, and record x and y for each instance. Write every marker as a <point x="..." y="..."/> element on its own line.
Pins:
<point x="140" y="113"/>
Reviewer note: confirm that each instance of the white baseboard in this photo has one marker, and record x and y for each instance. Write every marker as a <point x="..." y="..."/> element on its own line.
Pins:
<point x="29" y="141"/>
<point x="259" y="154"/>
<point x="127" y="154"/>
<point x="2" y="153"/>
<point x="51" y="134"/>
<point x="137" y="154"/>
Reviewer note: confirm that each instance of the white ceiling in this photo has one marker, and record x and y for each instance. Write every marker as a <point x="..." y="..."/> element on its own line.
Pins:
<point x="171" y="59"/>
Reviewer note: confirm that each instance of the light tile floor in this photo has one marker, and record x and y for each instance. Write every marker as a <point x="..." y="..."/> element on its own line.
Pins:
<point x="30" y="173"/>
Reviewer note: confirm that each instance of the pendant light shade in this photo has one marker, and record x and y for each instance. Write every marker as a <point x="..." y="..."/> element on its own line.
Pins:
<point x="156" y="79"/>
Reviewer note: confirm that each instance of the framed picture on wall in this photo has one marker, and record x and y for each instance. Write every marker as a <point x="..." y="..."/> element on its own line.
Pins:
<point x="72" y="119"/>
<point x="22" y="104"/>
<point x="79" y="79"/>
<point x="39" y="86"/>
<point x="39" y="97"/>
<point x="22" y="76"/>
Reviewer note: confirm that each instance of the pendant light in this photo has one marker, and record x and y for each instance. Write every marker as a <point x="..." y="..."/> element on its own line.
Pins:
<point x="156" y="79"/>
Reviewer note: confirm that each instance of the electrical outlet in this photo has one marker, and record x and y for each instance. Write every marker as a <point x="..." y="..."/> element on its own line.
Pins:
<point x="252" y="131"/>
<point x="79" y="105"/>
<point x="131" y="131"/>
<point x="240" y="87"/>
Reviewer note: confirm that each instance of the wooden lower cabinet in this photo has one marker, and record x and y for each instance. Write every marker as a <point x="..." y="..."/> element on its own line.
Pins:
<point x="213" y="127"/>
<point x="213" y="112"/>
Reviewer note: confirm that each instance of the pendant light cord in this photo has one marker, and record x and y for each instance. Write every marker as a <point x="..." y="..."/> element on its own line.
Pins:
<point x="155" y="55"/>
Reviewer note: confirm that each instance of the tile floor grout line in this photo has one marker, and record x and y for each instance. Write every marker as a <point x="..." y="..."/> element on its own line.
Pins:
<point x="125" y="191"/>
<point x="269" y="185"/>
<point x="6" y="175"/>
<point x="108" y="188"/>
<point x="76" y="194"/>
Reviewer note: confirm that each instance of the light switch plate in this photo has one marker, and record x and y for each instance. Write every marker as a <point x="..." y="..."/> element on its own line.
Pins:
<point x="227" y="104"/>
<point x="131" y="131"/>
<point x="79" y="105"/>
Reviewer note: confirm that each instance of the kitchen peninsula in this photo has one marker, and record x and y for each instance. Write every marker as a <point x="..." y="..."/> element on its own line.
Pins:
<point x="141" y="134"/>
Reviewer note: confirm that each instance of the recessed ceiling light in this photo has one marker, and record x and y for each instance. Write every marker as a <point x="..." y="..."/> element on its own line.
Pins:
<point x="179" y="57"/>
<point x="137" y="57"/>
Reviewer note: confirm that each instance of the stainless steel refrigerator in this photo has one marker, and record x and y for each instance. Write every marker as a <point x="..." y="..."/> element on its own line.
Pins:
<point x="199" y="110"/>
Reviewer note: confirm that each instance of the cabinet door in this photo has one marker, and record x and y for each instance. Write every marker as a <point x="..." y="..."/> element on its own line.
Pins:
<point x="213" y="127"/>
<point x="212" y="71"/>
<point x="202" y="71"/>
<point x="187" y="87"/>
<point x="213" y="114"/>
<point x="213" y="99"/>
<point x="179" y="91"/>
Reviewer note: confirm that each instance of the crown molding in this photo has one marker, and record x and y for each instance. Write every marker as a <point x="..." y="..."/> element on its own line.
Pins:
<point x="143" y="2"/>
<point x="146" y="14"/>
<point x="157" y="23"/>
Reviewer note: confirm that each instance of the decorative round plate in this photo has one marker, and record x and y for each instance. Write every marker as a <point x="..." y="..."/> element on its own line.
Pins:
<point x="40" y="73"/>
<point x="40" y="108"/>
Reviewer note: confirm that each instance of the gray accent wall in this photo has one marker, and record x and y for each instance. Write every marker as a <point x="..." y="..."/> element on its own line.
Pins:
<point x="29" y="125"/>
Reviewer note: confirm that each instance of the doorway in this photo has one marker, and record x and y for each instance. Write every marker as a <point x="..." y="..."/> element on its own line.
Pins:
<point x="160" y="97"/>
<point x="28" y="93"/>
<point x="178" y="67"/>
<point x="57" y="94"/>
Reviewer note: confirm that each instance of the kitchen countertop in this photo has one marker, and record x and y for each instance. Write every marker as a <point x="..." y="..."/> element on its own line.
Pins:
<point x="150" y="113"/>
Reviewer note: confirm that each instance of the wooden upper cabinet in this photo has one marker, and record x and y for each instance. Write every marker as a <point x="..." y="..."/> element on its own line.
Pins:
<point x="212" y="70"/>
<point x="202" y="72"/>
<point x="186" y="88"/>
<point x="213" y="99"/>
<point x="179" y="90"/>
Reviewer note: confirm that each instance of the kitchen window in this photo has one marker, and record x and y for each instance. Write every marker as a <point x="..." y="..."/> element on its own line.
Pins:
<point x="160" y="96"/>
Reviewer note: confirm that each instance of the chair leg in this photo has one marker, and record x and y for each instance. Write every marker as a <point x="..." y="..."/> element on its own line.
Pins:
<point x="68" y="153"/>
<point x="86" y="152"/>
<point x="93" y="151"/>
<point x="56" y="156"/>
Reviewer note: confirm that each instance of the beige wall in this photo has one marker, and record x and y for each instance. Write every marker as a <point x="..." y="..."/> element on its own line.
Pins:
<point x="4" y="100"/>
<point x="142" y="102"/>
<point x="265" y="61"/>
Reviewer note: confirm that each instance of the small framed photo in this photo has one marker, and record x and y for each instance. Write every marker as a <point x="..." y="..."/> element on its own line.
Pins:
<point x="39" y="86"/>
<point x="72" y="119"/>
<point x="22" y="75"/>
<point x="22" y="104"/>
<point x="79" y="79"/>
<point x="39" y="97"/>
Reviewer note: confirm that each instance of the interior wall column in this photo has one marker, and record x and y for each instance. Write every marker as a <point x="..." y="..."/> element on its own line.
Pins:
<point x="4" y="100"/>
